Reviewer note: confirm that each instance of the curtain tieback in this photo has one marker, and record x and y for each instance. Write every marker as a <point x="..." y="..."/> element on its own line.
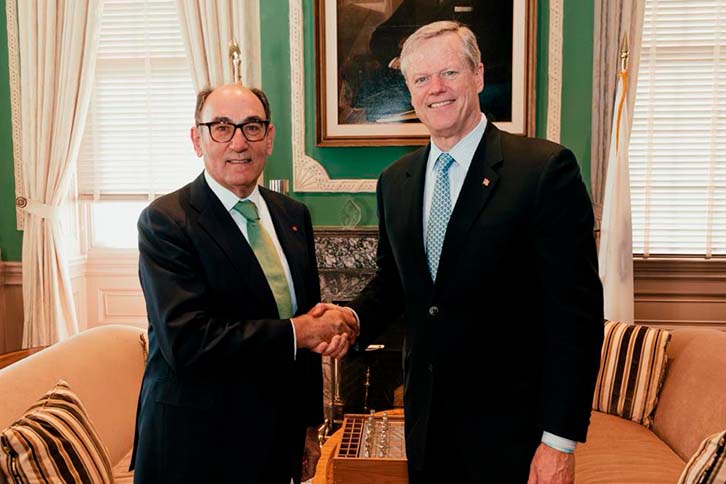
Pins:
<point x="40" y="209"/>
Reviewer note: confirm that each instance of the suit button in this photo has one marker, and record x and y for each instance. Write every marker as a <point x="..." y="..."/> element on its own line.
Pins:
<point x="433" y="311"/>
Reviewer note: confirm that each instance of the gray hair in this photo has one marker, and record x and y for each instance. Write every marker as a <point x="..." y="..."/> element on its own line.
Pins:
<point x="205" y="92"/>
<point x="471" y="48"/>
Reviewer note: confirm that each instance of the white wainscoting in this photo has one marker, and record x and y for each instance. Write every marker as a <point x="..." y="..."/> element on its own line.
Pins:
<point x="113" y="292"/>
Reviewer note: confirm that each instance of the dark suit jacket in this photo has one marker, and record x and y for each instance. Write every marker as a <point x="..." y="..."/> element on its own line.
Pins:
<point x="222" y="399"/>
<point x="515" y="313"/>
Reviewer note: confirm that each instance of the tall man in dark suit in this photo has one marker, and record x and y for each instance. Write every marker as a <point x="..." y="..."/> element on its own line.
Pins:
<point x="486" y="247"/>
<point x="232" y="391"/>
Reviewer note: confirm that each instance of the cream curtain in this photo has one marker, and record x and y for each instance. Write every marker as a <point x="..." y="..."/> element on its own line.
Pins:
<point x="57" y="50"/>
<point x="613" y="20"/>
<point x="208" y="26"/>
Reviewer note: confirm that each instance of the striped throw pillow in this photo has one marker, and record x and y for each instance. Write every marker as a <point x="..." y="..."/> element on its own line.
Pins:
<point x="54" y="443"/>
<point x="708" y="464"/>
<point x="632" y="367"/>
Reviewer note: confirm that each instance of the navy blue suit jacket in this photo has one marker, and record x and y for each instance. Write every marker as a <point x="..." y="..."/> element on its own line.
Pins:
<point x="222" y="399"/>
<point x="515" y="312"/>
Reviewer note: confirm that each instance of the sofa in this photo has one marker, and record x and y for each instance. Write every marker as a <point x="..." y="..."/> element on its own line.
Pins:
<point x="103" y="366"/>
<point x="691" y="406"/>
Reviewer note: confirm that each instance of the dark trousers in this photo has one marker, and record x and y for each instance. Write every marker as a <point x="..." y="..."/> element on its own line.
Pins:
<point x="500" y="457"/>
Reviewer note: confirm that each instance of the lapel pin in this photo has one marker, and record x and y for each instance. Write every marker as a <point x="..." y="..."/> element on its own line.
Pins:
<point x="294" y="228"/>
<point x="485" y="182"/>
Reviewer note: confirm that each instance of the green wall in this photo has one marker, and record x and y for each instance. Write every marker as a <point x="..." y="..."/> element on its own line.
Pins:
<point x="10" y="238"/>
<point x="326" y="208"/>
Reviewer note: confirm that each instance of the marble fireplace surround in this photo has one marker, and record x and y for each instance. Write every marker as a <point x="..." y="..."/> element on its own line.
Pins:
<point x="346" y="261"/>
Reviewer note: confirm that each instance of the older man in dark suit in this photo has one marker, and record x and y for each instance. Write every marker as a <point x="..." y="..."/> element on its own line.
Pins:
<point x="232" y="388"/>
<point x="486" y="246"/>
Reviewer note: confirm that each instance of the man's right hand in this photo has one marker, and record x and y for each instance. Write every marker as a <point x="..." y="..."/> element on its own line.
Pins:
<point x="326" y="329"/>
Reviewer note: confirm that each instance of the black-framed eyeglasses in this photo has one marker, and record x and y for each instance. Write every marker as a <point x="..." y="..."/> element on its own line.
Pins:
<point x="223" y="131"/>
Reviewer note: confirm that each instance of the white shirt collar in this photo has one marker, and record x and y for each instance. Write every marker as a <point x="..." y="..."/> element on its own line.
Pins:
<point x="229" y="199"/>
<point x="463" y="151"/>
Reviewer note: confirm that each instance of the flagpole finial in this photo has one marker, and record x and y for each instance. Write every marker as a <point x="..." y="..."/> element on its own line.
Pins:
<point x="624" y="53"/>
<point x="235" y="55"/>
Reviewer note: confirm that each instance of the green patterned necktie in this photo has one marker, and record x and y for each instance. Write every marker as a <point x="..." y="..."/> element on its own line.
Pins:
<point x="266" y="254"/>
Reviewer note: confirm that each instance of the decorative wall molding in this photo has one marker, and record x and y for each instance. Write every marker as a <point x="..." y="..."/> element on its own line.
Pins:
<point x="11" y="306"/>
<point x="668" y="292"/>
<point x="676" y="292"/>
<point x="308" y="175"/>
<point x="554" y="71"/>
<point x="15" y="112"/>
<point x="11" y="273"/>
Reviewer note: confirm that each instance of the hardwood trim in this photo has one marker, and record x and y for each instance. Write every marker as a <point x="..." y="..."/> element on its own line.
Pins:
<point x="8" y="359"/>
<point x="11" y="273"/>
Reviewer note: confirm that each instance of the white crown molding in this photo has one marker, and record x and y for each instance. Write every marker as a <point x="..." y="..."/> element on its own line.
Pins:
<point x="14" y="78"/>
<point x="554" y="71"/>
<point x="308" y="175"/>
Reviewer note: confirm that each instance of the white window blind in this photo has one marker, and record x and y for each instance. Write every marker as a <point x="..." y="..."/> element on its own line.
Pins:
<point x="678" y="141"/>
<point x="136" y="143"/>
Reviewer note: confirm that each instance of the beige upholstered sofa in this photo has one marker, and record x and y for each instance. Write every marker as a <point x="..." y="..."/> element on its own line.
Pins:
<point x="103" y="366"/>
<point x="692" y="406"/>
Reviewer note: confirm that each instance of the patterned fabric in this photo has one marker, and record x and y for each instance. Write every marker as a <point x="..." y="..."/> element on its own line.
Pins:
<point x="54" y="443"/>
<point x="267" y="256"/>
<point x="632" y="367"/>
<point x="708" y="464"/>
<point x="440" y="213"/>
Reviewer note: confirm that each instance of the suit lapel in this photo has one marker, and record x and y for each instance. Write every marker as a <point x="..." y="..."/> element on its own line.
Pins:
<point x="218" y="223"/>
<point x="411" y="201"/>
<point x="478" y="186"/>
<point x="291" y="240"/>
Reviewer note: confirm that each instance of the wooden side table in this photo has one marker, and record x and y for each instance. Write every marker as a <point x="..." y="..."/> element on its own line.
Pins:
<point x="7" y="359"/>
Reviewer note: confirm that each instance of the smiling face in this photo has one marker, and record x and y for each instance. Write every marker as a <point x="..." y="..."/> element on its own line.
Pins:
<point x="445" y="88"/>
<point x="237" y="164"/>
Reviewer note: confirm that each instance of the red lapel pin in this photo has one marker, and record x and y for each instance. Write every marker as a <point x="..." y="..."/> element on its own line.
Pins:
<point x="294" y="228"/>
<point x="485" y="182"/>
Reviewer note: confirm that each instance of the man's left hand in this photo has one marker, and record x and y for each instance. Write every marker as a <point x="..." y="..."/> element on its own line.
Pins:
<point x="311" y="454"/>
<point x="550" y="466"/>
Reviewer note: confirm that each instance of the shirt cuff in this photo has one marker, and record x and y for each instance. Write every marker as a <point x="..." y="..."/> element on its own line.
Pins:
<point x="294" y="341"/>
<point x="558" y="443"/>
<point x="357" y="319"/>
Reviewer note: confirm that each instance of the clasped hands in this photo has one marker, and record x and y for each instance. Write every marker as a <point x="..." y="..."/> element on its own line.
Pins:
<point x="327" y="329"/>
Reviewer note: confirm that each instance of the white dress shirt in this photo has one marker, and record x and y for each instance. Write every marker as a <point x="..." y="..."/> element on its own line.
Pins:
<point x="462" y="153"/>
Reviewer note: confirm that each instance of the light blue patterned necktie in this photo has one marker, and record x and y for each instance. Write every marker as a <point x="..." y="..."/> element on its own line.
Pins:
<point x="439" y="214"/>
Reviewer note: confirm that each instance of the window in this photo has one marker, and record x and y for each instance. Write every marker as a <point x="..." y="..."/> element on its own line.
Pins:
<point x="136" y="145"/>
<point x="678" y="141"/>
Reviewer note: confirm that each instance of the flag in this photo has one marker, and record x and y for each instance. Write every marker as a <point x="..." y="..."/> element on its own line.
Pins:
<point x="616" y="236"/>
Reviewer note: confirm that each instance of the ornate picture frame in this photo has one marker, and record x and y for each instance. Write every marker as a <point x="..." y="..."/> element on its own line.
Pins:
<point x="361" y="98"/>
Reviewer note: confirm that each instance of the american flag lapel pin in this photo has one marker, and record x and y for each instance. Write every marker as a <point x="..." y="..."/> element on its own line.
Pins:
<point x="485" y="182"/>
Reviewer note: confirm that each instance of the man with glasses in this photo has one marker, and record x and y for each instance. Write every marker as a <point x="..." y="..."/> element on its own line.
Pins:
<point x="232" y="390"/>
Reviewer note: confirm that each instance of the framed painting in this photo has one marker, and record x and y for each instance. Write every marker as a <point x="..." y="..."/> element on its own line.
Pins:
<point x="362" y="99"/>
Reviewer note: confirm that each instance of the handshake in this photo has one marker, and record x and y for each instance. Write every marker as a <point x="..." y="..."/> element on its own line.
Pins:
<point x="327" y="329"/>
